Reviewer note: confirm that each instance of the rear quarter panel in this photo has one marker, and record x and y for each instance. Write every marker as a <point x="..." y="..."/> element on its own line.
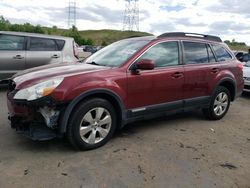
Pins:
<point x="232" y="70"/>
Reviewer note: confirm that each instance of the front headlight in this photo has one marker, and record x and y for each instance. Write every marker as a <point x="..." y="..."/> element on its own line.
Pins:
<point x="39" y="90"/>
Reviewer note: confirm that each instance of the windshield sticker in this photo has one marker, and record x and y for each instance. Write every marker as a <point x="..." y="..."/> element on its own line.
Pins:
<point x="127" y="51"/>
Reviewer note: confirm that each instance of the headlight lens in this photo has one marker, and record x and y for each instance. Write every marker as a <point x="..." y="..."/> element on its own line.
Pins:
<point x="39" y="90"/>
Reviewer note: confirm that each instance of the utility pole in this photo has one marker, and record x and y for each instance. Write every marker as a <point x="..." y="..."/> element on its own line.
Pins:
<point x="131" y="15"/>
<point x="72" y="14"/>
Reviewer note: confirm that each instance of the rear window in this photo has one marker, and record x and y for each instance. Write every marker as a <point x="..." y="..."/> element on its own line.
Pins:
<point x="11" y="42"/>
<point x="195" y="53"/>
<point x="41" y="44"/>
<point x="221" y="53"/>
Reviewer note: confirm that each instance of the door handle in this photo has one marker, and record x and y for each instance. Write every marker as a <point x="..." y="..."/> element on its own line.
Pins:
<point x="177" y="75"/>
<point x="55" y="56"/>
<point x="214" y="70"/>
<point x="18" y="57"/>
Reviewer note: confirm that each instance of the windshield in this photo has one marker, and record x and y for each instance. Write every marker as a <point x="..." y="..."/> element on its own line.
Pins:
<point x="117" y="53"/>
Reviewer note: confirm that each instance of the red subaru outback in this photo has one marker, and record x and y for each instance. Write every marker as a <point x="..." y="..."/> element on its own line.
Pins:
<point x="129" y="80"/>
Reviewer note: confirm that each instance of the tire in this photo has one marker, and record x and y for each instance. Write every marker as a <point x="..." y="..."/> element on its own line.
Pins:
<point x="219" y="104"/>
<point x="97" y="120"/>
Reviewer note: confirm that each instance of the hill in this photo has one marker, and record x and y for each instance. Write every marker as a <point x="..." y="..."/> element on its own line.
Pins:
<point x="237" y="46"/>
<point x="98" y="37"/>
<point x="109" y="36"/>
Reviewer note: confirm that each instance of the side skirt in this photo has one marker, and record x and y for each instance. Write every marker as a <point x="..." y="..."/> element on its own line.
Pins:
<point x="154" y="111"/>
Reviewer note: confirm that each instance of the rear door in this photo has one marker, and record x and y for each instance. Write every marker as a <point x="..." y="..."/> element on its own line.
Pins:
<point x="201" y="69"/>
<point x="12" y="55"/>
<point x="42" y="51"/>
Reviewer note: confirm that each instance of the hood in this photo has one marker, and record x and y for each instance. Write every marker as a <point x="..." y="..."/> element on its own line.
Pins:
<point x="35" y="75"/>
<point x="246" y="71"/>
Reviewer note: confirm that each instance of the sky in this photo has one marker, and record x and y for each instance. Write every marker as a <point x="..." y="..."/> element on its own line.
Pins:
<point x="229" y="19"/>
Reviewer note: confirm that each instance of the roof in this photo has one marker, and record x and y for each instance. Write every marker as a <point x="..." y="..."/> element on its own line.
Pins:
<point x="190" y="35"/>
<point x="33" y="35"/>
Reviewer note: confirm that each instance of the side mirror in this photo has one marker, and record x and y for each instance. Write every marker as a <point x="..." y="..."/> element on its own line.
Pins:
<point x="145" y="64"/>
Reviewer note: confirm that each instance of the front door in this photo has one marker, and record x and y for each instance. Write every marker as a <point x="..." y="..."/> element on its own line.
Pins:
<point x="12" y="55"/>
<point x="163" y="84"/>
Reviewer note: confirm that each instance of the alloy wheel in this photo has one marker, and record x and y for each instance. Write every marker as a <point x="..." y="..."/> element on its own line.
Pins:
<point x="220" y="103"/>
<point x="95" y="125"/>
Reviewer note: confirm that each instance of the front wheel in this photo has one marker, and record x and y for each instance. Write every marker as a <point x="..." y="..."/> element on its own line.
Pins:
<point x="219" y="104"/>
<point x="92" y="124"/>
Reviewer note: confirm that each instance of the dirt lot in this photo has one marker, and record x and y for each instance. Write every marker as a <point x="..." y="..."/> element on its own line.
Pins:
<point x="183" y="150"/>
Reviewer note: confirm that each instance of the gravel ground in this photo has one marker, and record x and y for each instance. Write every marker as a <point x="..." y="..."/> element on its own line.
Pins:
<point x="183" y="150"/>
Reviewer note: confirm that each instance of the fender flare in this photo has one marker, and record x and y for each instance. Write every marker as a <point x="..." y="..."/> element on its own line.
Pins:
<point x="232" y="81"/>
<point x="75" y="101"/>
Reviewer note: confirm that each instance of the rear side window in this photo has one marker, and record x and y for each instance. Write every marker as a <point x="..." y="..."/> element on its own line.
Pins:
<point x="221" y="53"/>
<point x="11" y="42"/>
<point x="41" y="44"/>
<point x="195" y="53"/>
<point x="163" y="54"/>
<point x="60" y="44"/>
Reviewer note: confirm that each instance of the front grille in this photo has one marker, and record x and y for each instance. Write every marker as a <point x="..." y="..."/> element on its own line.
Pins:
<point x="247" y="78"/>
<point x="11" y="85"/>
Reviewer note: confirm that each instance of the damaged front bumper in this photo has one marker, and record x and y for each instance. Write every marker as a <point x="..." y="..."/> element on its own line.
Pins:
<point x="38" y="119"/>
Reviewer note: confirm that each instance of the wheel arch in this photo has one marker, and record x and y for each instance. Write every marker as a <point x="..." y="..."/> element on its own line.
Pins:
<point x="230" y="84"/>
<point x="107" y="94"/>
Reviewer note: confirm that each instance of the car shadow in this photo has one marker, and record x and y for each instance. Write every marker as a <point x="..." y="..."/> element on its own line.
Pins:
<point x="61" y="145"/>
<point x="168" y="120"/>
<point x="246" y="95"/>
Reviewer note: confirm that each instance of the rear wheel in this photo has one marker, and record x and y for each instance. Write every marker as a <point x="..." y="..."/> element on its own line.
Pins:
<point x="92" y="124"/>
<point x="219" y="104"/>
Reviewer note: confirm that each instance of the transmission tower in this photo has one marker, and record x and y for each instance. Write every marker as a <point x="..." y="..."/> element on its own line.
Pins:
<point x="131" y="15"/>
<point x="72" y="14"/>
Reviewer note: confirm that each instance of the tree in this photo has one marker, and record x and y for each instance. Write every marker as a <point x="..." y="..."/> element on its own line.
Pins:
<point x="89" y="41"/>
<point x="4" y="24"/>
<point x="54" y="29"/>
<point x="74" y="33"/>
<point x="104" y="43"/>
<point x="38" y="29"/>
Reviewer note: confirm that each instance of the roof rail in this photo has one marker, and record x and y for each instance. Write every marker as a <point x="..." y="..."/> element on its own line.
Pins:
<point x="193" y="35"/>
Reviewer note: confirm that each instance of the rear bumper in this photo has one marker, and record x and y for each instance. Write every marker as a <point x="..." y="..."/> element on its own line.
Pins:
<point x="37" y="120"/>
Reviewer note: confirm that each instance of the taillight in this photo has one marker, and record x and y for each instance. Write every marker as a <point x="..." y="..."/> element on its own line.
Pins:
<point x="75" y="51"/>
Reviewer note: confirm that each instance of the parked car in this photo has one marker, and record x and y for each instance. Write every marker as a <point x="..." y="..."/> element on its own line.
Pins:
<point x="129" y="80"/>
<point x="246" y="57"/>
<point x="89" y="48"/>
<point x="239" y="55"/>
<point x="246" y="76"/>
<point x="19" y="51"/>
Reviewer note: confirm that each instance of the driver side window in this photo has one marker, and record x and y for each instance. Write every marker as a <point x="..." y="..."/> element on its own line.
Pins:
<point x="163" y="54"/>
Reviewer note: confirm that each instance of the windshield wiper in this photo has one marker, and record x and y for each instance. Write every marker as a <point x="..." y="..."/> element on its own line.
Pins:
<point x="94" y="63"/>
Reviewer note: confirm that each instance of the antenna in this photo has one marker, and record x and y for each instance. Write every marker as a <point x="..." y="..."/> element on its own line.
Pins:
<point x="72" y="14"/>
<point x="131" y="15"/>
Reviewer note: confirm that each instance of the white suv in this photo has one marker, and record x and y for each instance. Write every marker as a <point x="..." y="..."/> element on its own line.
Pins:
<point x="19" y="51"/>
<point x="246" y="76"/>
